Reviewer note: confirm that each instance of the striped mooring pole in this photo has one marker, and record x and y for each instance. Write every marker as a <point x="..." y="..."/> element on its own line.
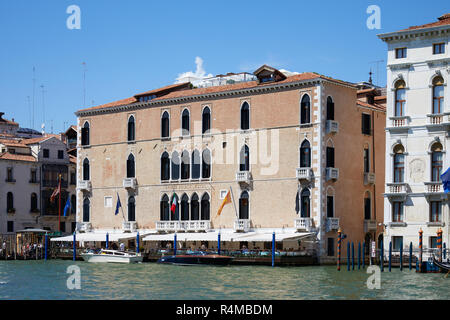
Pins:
<point x="420" y="249"/>
<point x="339" y="250"/>
<point x="439" y="243"/>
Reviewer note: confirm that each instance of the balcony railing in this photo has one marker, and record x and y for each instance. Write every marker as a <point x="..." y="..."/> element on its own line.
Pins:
<point x="369" y="178"/>
<point x="243" y="176"/>
<point x="84" y="226"/>
<point x="435" y="119"/>
<point x="129" y="226"/>
<point x="303" y="173"/>
<point x="433" y="187"/>
<point x="129" y="183"/>
<point x="332" y="126"/>
<point x="332" y="224"/>
<point x="303" y="224"/>
<point x="84" y="185"/>
<point x="397" y="188"/>
<point x="190" y="225"/>
<point x="399" y="122"/>
<point x="332" y="173"/>
<point x="242" y="225"/>
<point x="370" y="225"/>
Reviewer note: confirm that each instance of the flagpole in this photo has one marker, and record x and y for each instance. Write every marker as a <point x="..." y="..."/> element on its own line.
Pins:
<point x="121" y="208"/>
<point x="59" y="205"/>
<point x="234" y="204"/>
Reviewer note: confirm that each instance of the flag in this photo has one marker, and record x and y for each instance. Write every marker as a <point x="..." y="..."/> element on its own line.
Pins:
<point x="174" y="203"/>
<point x="226" y="200"/>
<point x="55" y="193"/>
<point x="67" y="207"/>
<point x="445" y="177"/>
<point x="118" y="205"/>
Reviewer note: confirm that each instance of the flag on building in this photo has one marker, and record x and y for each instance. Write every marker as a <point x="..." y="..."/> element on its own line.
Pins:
<point x="67" y="207"/>
<point x="56" y="192"/>
<point x="226" y="200"/>
<point x="445" y="177"/>
<point x="118" y="205"/>
<point x="174" y="203"/>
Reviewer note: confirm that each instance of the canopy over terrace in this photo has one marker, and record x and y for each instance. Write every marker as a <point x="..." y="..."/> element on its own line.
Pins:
<point x="99" y="236"/>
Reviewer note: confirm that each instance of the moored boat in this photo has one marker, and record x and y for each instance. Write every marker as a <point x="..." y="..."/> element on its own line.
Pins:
<point x="200" y="258"/>
<point x="114" y="256"/>
<point x="444" y="266"/>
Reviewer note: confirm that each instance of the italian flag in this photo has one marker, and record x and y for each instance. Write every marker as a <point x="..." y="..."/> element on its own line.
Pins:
<point x="174" y="204"/>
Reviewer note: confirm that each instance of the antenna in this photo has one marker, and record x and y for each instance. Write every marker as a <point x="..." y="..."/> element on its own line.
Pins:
<point x="29" y="108"/>
<point x="377" y="62"/>
<point x="43" y="104"/>
<point x="34" y="83"/>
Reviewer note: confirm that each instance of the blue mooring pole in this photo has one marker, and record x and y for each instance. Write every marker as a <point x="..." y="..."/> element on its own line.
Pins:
<point x="381" y="256"/>
<point x="137" y="243"/>
<point x="273" y="249"/>
<point x="107" y="240"/>
<point x="74" y="246"/>
<point x="364" y="255"/>
<point x="390" y="255"/>
<point x="359" y="255"/>
<point x="445" y="249"/>
<point x="348" y="256"/>
<point x="410" y="255"/>
<point x="46" y="246"/>
<point x="218" y="243"/>
<point x="401" y="256"/>
<point x="174" y="244"/>
<point x="353" y="256"/>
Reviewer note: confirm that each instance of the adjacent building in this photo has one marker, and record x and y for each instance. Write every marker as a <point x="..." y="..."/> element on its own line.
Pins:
<point x="417" y="134"/>
<point x="301" y="155"/>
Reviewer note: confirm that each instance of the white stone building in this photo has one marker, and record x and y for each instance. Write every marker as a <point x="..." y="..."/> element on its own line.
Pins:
<point x="417" y="140"/>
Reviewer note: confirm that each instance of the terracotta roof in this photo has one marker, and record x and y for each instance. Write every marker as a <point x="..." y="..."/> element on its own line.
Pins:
<point x="39" y="139"/>
<point x="224" y="88"/>
<point x="365" y="90"/>
<point x="378" y="107"/>
<point x="442" y="21"/>
<point x="14" y="144"/>
<point x="166" y="88"/>
<point x="72" y="159"/>
<point x="17" y="157"/>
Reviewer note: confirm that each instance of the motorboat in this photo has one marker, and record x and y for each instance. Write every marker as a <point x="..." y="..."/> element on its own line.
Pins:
<point x="114" y="256"/>
<point x="196" y="258"/>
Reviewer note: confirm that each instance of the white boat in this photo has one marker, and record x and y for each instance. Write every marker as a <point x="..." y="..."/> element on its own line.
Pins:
<point x="112" y="256"/>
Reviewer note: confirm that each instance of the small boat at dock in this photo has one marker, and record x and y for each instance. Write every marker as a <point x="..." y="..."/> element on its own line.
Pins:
<point x="197" y="258"/>
<point x="444" y="266"/>
<point x="113" y="256"/>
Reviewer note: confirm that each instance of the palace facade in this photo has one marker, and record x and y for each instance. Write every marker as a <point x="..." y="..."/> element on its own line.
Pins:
<point x="302" y="155"/>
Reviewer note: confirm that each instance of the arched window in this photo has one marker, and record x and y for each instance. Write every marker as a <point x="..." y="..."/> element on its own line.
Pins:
<point x="131" y="209"/>
<point x="185" y="165"/>
<point x="164" y="208"/>
<point x="367" y="206"/>
<point x="436" y="162"/>
<point x="305" y="154"/>
<point x="73" y="202"/>
<point x="175" y="215"/>
<point x="205" y="207"/>
<point x="195" y="164"/>
<point x="330" y="156"/>
<point x="85" y="134"/>
<point x="244" y="159"/>
<point x="165" y="125"/>
<point x="86" y="170"/>
<point x="9" y="201"/>
<point x="243" y="205"/>
<point x="245" y="116"/>
<point x="438" y="95"/>
<point x="184" y="207"/>
<point x="34" y="202"/>
<point x="305" y="203"/>
<point x="195" y="206"/>
<point x="206" y="164"/>
<point x="130" y="166"/>
<point x="400" y="98"/>
<point x="330" y="202"/>
<point x="305" y="110"/>
<point x="330" y="109"/>
<point x="399" y="164"/>
<point x="86" y="210"/>
<point x="165" y="166"/>
<point x="131" y="129"/>
<point x="175" y="166"/>
<point x="206" y="120"/>
<point x="185" y="122"/>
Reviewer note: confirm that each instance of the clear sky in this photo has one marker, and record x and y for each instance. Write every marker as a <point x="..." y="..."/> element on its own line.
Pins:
<point x="135" y="46"/>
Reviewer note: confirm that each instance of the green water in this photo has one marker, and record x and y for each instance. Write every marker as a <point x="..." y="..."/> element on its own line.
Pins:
<point x="47" y="280"/>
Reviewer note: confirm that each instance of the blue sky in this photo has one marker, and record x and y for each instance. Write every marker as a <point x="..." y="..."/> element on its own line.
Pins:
<point x="134" y="46"/>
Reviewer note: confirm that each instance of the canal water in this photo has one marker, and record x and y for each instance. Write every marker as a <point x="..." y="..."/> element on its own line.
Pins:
<point x="48" y="280"/>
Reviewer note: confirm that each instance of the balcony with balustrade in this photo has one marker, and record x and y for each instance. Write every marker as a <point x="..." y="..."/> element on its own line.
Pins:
<point x="243" y="177"/>
<point x="332" y="174"/>
<point x="129" y="226"/>
<point x="84" y="185"/>
<point x="370" y="225"/>
<point x="303" y="174"/>
<point x="399" y="123"/>
<point x="435" y="119"/>
<point x="183" y="226"/>
<point x="332" y="126"/>
<point x="397" y="190"/>
<point x="129" y="183"/>
<point x="242" y="225"/>
<point x="84" y="226"/>
<point x="332" y="224"/>
<point x="303" y="224"/>
<point x="434" y="189"/>
<point x="369" y="178"/>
